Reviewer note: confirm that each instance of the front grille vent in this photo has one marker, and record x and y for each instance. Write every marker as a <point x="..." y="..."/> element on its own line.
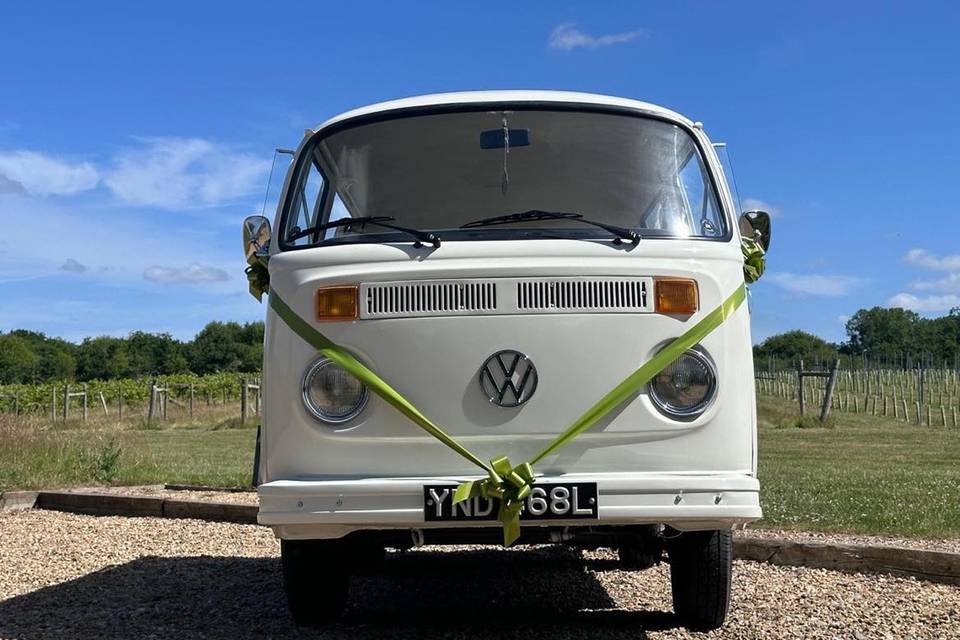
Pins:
<point x="398" y="300"/>
<point x="506" y="296"/>
<point x="602" y="294"/>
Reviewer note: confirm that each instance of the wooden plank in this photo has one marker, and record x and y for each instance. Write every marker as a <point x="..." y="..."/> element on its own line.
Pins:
<point x="100" y="503"/>
<point x="210" y="511"/>
<point x="934" y="566"/>
<point x="17" y="500"/>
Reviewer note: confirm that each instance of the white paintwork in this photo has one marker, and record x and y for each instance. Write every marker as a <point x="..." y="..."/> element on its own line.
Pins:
<point x="508" y="96"/>
<point x="321" y="482"/>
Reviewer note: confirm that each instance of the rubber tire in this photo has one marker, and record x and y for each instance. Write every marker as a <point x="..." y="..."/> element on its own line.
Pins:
<point x="315" y="579"/>
<point x="701" y="569"/>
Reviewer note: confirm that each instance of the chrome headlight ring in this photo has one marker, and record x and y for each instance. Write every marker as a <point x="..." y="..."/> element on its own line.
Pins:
<point x="325" y="372"/>
<point x="704" y="369"/>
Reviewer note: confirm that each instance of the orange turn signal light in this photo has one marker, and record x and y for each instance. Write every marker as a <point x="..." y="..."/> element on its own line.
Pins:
<point x="336" y="304"/>
<point x="676" y="295"/>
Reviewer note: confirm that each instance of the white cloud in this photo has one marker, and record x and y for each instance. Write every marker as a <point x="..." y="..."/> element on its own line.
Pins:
<point x="43" y="175"/>
<point x="566" y="37"/>
<point x="185" y="173"/>
<point x="185" y="275"/>
<point x="928" y="304"/>
<point x="815" y="284"/>
<point x="925" y="259"/>
<point x="73" y="266"/>
<point x="755" y="203"/>
<point x="949" y="283"/>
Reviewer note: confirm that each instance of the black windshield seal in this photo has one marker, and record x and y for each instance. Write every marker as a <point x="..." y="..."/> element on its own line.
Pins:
<point x="512" y="234"/>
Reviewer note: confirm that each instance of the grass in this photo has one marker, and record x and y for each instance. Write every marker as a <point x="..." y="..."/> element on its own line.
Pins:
<point x="864" y="475"/>
<point x="212" y="449"/>
<point x="861" y="474"/>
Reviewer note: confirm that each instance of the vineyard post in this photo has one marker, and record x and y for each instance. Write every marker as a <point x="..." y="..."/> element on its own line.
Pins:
<point x="85" y="401"/>
<point x="943" y="416"/>
<point x="919" y="415"/>
<point x="66" y="402"/>
<point x="103" y="401"/>
<point x="164" y="394"/>
<point x="906" y="413"/>
<point x="920" y="388"/>
<point x="53" y="403"/>
<point x="191" y="401"/>
<point x="800" y="385"/>
<point x="153" y="397"/>
<point x="828" y="398"/>
<point x="243" y="401"/>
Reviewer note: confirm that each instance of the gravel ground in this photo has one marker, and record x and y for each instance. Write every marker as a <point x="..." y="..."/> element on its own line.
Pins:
<point x="65" y="575"/>
<point x="250" y="497"/>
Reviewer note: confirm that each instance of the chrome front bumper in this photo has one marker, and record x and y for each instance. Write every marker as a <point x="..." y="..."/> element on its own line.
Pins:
<point x="300" y="509"/>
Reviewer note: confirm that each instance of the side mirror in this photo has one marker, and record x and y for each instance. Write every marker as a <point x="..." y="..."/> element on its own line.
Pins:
<point x="755" y="224"/>
<point x="256" y="239"/>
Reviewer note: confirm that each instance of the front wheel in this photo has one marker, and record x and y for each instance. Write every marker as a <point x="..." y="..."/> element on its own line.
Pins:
<point x="701" y="567"/>
<point x="315" y="579"/>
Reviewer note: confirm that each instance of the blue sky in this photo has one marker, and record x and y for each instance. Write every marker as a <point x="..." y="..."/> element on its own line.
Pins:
<point x="134" y="138"/>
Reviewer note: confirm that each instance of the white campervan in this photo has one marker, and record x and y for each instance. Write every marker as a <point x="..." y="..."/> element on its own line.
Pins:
<point x="507" y="316"/>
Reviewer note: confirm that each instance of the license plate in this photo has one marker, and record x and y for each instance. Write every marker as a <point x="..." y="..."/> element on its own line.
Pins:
<point x="561" y="501"/>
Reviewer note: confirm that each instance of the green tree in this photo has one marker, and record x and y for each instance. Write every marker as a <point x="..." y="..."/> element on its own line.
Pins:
<point x="102" y="358"/>
<point x="788" y="348"/>
<point x="227" y="346"/>
<point x="18" y="362"/>
<point x="57" y="356"/>
<point x="155" y="353"/>
<point x="884" y="332"/>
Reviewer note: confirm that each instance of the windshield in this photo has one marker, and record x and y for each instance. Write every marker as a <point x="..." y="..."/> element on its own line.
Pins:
<point x="440" y="171"/>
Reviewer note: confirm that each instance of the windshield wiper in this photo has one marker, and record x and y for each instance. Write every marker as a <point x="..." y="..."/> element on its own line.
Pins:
<point x="380" y="221"/>
<point x="621" y="233"/>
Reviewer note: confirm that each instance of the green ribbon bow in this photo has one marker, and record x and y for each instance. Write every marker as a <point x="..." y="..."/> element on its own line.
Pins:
<point x="754" y="259"/>
<point x="506" y="483"/>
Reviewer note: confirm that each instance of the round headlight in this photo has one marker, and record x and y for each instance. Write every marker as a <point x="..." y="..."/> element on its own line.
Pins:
<point x="331" y="394"/>
<point x="686" y="386"/>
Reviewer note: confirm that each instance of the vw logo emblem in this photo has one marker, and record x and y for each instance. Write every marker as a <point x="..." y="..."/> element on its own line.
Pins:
<point x="508" y="378"/>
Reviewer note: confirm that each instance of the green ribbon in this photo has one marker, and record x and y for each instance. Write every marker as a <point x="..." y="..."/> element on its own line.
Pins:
<point x="258" y="278"/>
<point x="505" y="482"/>
<point x="754" y="259"/>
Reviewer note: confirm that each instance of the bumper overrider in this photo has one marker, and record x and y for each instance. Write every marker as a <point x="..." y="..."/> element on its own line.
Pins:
<point x="303" y="509"/>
